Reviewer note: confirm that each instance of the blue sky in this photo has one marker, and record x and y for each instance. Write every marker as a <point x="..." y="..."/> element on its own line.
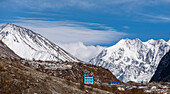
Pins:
<point x="91" y="22"/>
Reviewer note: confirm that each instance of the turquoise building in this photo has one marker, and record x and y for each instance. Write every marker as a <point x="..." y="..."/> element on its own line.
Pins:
<point x="88" y="79"/>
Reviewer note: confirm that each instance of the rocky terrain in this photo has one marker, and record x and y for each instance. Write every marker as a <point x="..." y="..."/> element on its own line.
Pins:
<point x="15" y="78"/>
<point x="162" y="72"/>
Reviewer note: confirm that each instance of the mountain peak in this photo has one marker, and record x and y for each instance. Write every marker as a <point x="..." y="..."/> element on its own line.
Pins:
<point x="161" y="40"/>
<point x="14" y="26"/>
<point x="30" y="45"/>
<point x="151" y="41"/>
<point x="16" y="30"/>
<point x="168" y="41"/>
<point x="131" y="41"/>
<point x="136" y="41"/>
<point x="10" y="25"/>
<point x="132" y="59"/>
<point x="156" y="42"/>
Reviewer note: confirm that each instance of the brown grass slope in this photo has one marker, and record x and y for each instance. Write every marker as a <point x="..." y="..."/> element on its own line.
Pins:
<point x="76" y="72"/>
<point x="15" y="78"/>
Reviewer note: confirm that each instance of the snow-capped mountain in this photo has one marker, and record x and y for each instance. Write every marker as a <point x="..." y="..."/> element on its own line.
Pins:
<point x="168" y="42"/>
<point x="162" y="72"/>
<point x="30" y="45"/>
<point x="132" y="59"/>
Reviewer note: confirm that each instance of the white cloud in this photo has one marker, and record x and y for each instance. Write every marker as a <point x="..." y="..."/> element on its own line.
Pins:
<point x="160" y="17"/>
<point x="156" y="18"/>
<point x="82" y="51"/>
<point x="70" y="31"/>
<point x="77" y="38"/>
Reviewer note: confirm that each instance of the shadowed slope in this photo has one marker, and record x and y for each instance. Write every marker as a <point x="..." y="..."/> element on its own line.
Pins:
<point x="6" y="52"/>
<point x="163" y="70"/>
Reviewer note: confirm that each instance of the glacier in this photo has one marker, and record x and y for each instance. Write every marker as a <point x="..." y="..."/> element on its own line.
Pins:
<point x="132" y="59"/>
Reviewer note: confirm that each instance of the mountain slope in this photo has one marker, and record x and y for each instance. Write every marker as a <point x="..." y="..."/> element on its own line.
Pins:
<point x="30" y="45"/>
<point x="162" y="72"/>
<point x="15" y="78"/>
<point x="72" y="70"/>
<point x="132" y="59"/>
<point x="30" y="76"/>
<point x="6" y="52"/>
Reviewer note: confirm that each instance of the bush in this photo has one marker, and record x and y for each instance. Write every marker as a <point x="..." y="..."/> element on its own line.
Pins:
<point x="82" y="86"/>
<point x="68" y="81"/>
<point x="137" y="91"/>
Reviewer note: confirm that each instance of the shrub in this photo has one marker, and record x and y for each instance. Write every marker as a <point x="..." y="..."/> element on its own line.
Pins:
<point x="82" y="86"/>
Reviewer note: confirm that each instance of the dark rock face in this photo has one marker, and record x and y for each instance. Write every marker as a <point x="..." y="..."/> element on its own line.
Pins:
<point x="163" y="70"/>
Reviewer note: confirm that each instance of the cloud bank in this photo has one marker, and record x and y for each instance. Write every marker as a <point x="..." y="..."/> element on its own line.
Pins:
<point x="77" y="38"/>
<point x="71" y="31"/>
<point x="82" y="51"/>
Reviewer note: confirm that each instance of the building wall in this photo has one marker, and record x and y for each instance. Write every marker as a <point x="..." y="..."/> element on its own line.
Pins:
<point x="88" y="80"/>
